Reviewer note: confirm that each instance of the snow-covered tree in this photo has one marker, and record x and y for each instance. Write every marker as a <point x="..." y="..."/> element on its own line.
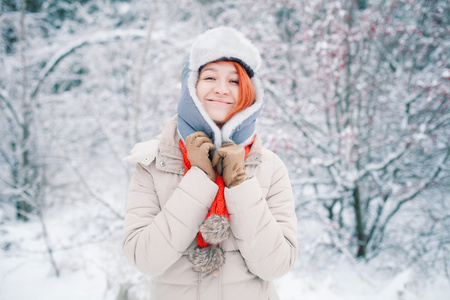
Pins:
<point x="365" y="105"/>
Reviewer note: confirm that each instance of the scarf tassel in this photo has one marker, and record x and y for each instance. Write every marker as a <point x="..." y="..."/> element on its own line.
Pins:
<point x="206" y="259"/>
<point x="208" y="256"/>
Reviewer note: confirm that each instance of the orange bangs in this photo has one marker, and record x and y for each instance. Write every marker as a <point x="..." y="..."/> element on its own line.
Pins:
<point x="246" y="95"/>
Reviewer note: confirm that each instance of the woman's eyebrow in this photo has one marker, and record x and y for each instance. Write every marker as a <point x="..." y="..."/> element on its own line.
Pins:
<point x="209" y="69"/>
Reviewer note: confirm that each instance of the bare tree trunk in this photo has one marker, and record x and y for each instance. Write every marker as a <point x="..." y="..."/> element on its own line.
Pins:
<point x="360" y="224"/>
<point x="23" y="206"/>
<point x="47" y="241"/>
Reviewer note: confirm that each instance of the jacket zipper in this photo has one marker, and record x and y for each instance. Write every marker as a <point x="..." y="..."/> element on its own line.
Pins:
<point x="199" y="285"/>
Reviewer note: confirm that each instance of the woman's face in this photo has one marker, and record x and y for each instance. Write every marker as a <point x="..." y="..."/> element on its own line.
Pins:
<point x="218" y="89"/>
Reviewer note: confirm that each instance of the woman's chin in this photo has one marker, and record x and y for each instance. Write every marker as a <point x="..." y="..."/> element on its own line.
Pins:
<point x="219" y="120"/>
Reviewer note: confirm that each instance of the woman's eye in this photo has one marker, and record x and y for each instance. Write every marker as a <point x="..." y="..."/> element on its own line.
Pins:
<point x="235" y="81"/>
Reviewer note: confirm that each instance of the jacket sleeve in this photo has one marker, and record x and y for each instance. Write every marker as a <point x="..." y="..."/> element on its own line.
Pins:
<point x="154" y="238"/>
<point x="265" y="228"/>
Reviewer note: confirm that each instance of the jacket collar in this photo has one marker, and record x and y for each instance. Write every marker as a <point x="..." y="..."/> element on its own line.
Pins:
<point x="169" y="157"/>
<point x="163" y="149"/>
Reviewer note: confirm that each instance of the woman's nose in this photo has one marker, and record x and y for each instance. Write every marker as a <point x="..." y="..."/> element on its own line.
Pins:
<point x="222" y="88"/>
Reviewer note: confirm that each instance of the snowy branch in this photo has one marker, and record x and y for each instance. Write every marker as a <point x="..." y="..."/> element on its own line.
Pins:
<point x="99" y="38"/>
<point x="374" y="167"/>
<point x="10" y="109"/>
<point x="418" y="189"/>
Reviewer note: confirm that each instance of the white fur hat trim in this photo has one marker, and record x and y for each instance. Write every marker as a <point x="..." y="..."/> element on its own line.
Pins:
<point x="223" y="42"/>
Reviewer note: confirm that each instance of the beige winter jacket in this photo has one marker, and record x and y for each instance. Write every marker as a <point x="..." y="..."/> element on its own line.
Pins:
<point x="165" y="210"/>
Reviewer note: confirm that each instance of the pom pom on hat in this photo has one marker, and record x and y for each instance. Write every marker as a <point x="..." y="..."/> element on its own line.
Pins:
<point x="224" y="43"/>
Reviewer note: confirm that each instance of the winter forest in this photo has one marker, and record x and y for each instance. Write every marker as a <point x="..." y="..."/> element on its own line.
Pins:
<point x="356" y="105"/>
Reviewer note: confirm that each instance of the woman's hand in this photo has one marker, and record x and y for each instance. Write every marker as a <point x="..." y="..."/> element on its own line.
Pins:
<point x="198" y="146"/>
<point x="230" y="158"/>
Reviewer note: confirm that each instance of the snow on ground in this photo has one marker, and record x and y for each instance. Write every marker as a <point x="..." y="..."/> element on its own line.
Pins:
<point x="98" y="270"/>
<point x="346" y="284"/>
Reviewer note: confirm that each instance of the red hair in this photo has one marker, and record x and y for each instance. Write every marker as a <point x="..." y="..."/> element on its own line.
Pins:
<point x="246" y="95"/>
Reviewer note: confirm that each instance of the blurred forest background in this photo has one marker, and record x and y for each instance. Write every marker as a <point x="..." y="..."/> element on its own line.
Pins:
<point x="356" y="104"/>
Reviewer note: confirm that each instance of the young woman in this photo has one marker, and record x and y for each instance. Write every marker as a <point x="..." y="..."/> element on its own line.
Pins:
<point x="210" y="213"/>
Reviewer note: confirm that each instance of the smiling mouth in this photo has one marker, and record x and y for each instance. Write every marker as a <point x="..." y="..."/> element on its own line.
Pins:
<point x="220" y="102"/>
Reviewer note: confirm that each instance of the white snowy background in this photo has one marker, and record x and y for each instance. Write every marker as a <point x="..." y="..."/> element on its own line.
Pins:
<point x="356" y="105"/>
